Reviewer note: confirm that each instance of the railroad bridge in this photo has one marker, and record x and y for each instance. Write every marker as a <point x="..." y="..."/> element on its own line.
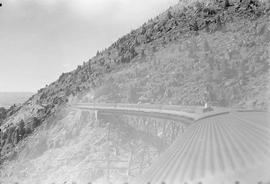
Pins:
<point x="222" y="146"/>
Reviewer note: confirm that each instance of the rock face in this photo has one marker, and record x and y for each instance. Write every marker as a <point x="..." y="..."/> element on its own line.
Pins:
<point x="73" y="147"/>
<point x="221" y="47"/>
<point x="3" y="114"/>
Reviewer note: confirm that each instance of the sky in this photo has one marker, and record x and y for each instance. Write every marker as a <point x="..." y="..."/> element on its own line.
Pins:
<point x="41" y="39"/>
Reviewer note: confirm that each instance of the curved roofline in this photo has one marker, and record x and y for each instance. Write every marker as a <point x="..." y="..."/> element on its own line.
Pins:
<point x="222" y="112"/>
<point x="160" y="111"/>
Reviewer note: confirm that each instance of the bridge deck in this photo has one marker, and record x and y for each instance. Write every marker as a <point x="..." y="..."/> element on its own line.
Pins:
<point x="185" y="114"/>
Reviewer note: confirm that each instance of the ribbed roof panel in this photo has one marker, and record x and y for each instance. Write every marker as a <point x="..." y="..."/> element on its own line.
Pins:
<point x="227" y="148"/>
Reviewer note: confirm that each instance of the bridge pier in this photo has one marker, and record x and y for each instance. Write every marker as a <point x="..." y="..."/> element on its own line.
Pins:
<point x="147" y="129"/>
<point x="108" y="157"/>
<point x="95" y="118"/>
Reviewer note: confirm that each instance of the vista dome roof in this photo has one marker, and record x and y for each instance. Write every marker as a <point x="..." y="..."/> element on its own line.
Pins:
<point x="232" y="147"/>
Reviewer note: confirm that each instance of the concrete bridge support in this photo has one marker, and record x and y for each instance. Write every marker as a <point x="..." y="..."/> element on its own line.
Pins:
<point x="94" y="118"/>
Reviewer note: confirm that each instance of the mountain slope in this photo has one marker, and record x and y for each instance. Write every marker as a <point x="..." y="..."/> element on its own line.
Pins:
<point x="172" y="59"/>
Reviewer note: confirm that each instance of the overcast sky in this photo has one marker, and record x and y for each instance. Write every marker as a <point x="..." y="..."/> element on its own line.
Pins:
<point x="40" y="39"/>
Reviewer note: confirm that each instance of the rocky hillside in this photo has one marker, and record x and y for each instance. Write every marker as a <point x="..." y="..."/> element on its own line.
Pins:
<point x="221" y="47"/>
<point x="10" y="102"/>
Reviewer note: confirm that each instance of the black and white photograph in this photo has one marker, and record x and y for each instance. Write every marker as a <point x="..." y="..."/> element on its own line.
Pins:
<point x="134" y="92"/>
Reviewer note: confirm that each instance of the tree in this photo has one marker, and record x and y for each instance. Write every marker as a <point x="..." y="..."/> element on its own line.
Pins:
<point x="169" y="15"/>
<point x="226" y="4"/>
<point x="21" y="129"/>
<point x="35" y="123"/>
<point x="199" y="6"/>
<point x="207" y="28"/>
<point x="219" y="23"/>
<point x="194" y="25"/>
<point x="3" y="114"/>
<point x="28" y="130"/>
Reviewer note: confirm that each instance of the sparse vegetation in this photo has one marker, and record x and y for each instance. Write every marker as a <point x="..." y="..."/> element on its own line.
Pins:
<point x="221" y="46"/>
<point x="3" y="114"/>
